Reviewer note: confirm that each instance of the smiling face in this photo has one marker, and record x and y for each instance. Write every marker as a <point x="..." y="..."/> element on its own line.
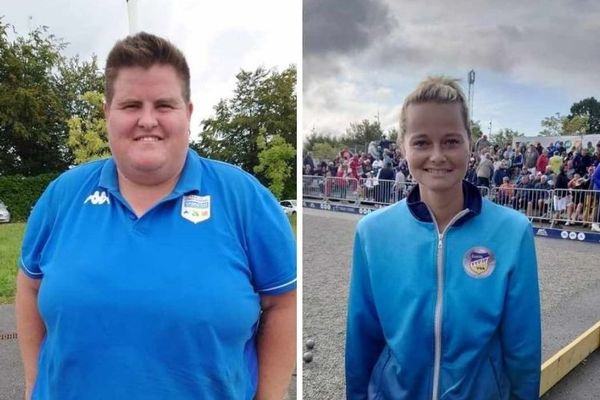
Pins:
<point x="148" y="123"/>
<point x="436" y="145"/>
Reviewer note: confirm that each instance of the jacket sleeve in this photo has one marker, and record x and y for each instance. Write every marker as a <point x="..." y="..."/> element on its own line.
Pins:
<point x="521" y="323"/>
<point x="596" y="178"/>
<point x="364" y="336"/>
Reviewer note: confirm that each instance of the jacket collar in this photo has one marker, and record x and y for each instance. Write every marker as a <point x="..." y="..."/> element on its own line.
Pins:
<point x="472" y="203"/>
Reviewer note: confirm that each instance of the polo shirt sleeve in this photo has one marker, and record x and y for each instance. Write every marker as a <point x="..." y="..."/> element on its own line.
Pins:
<point x="271" y="245"/>
<point x="37" y="232"/>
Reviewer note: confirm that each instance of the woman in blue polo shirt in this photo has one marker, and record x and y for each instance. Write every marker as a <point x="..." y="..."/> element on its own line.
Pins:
<point x="153" y="274"/>
<point x="445" y="305"/>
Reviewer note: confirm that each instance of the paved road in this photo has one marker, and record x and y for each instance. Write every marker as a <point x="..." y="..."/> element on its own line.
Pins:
<point x="11" y="375"/>
<point x="569" y="281"/>
<point x="583" y="383"/>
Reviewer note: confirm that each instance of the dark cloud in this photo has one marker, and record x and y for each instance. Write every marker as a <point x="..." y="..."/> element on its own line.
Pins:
<point x="442" y="47"/>
<point x="532" y="41"/>
<point x="343" y="26"/>
<point x="551" y="45"/>
<point x="318" y="67"/>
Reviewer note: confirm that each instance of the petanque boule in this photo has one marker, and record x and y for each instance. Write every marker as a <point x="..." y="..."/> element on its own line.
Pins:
<point x="310" y="344"/>
<point x="307" y="357"/>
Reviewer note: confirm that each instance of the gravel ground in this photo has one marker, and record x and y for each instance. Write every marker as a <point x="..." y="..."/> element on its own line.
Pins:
<point x="569" y="282"/>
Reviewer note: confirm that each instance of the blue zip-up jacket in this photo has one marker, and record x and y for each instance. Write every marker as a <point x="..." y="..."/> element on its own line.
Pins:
<point x="596" y="178"/>
<point x="444" y="316"/>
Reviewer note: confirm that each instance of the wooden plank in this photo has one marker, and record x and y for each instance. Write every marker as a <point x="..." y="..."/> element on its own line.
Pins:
<point x="560" y="364"/>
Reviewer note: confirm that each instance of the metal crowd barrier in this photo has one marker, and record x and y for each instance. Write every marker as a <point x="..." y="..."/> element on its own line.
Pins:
<point x="568" y="206"/>
<point x="382" y="191"/>
<point x="534" y="203"/>
<point x="484" y="191"/>
<point x="331" y="188"/>
<point x="312" y="186"/>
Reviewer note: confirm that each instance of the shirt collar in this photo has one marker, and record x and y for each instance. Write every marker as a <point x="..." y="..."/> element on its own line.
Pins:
<point x="189" y="180"/>
<point x="472" y="203"/>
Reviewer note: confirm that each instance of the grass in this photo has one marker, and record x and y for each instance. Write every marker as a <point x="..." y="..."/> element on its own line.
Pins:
<point x="292" y="219"/>
<point x="11" y="236"/>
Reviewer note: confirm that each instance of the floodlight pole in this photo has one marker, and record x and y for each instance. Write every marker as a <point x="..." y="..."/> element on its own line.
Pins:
<point x="132" y="13"/>
<point x="471" y="92"/>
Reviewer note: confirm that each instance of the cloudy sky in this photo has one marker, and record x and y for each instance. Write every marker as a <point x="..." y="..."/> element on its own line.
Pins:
<point x="532" y="58"/>
<point x="218" y="37"/>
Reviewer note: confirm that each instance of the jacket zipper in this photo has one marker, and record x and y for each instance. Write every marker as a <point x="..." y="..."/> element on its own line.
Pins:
<point x="440" y="301"/>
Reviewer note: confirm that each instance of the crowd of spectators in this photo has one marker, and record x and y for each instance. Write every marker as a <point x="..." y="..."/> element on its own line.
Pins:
<point x="520" y="177"/>
<point x="490" y="164"/>
<point x="525" y="175"/>
<point x="375" y="174"/>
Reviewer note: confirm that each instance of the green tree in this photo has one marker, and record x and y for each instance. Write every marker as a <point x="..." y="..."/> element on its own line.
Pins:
<point x="392" y="134"/>
<point x="558" y="125"/>
<point x="589" y="107"/>
<point x="315" y="138"/>
<point x="76" y="78"/>
<point x="30" y="108"/>
<point x="576" y="125"/>
<point x="37" y="97"/>
<point x="505" y="136"/>
<point x="87" y="133"/>
<point x="476" y="131"/>
<point x="324" y="151"/>
<point x="356" y="138"/>
<point x="263" y="99"/>
<point x="553" y="125"/>
<point x="276" y="159"/>
<point x="217" y="140"/>
<point x="360" y="134"/>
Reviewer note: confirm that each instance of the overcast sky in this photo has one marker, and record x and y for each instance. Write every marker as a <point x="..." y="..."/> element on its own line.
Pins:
<point x="531" y="58"/>
<point x="218" y="37"/>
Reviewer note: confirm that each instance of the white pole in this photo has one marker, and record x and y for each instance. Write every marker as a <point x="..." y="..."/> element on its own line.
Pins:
<point x="132" y="13"/>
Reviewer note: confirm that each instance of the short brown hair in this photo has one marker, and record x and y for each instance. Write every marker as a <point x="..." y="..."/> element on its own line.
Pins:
<point x="436" y="89"/>
<point x="144" y="50"/>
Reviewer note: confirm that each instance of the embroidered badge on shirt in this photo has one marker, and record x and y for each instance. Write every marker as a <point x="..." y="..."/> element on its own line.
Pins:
<point x="479" y="262"/>
<point x="195" y="208"/>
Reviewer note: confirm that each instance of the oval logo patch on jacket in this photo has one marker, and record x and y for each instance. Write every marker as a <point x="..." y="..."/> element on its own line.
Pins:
<point x="479" y="262"/>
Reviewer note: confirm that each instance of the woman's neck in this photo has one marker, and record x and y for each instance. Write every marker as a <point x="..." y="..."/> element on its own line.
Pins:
<point x="444" y="206"/>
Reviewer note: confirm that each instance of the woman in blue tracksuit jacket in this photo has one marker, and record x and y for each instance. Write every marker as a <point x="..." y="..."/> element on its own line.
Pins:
<point x="595" y="185"/>
<point x="443" y="303"/>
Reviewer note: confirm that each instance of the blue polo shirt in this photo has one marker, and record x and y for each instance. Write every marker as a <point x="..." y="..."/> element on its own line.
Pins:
<point x="165" y="306"/>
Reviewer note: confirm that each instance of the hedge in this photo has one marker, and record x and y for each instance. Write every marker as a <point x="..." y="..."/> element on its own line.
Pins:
<point x="20" y="193"/>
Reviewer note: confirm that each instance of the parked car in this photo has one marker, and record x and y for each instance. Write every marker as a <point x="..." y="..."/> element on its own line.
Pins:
<point x="4" y="214"/>
<point x="289" y="206"/>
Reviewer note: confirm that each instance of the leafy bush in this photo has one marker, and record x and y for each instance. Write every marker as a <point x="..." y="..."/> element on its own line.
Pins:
<point x="20" y="193"/>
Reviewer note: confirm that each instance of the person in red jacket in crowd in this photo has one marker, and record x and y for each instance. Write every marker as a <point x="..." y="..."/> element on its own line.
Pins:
<point x="354" y="164"/>
<point x="542" y="162"/>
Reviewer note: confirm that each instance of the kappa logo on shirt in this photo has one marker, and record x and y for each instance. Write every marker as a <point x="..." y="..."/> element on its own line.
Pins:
<point x="195" y="208"/>
<point x="479" y="262"/>
<point x="98" y="198"/>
